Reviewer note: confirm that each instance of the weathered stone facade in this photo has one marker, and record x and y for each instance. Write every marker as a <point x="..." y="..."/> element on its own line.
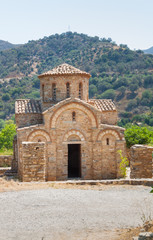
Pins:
<point x="33" y="162"/>
<point x="80" y="134"/>
<point x="141" y="163"/>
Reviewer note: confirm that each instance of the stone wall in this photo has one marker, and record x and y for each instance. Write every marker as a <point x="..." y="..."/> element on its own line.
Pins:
<point x="32" y="165"/>
<point x="141" y="161"/>
<point x="109" y="117"/>
<point x="5" y="161"/>
<point x="28" y="119"/>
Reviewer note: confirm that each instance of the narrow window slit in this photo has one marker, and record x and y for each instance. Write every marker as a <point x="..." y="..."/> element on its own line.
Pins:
<point x="67" y="90"/>
<point x="73" y="116"/>
<point x="54" y="92"/>
<point x="80" y="90"/>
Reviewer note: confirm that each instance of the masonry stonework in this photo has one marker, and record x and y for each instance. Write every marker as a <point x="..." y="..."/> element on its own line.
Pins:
<point x="5" y="161"/>
<point x="141" y="163"/>
<point x="80" y="135"/>
<point x="32" y="165"/>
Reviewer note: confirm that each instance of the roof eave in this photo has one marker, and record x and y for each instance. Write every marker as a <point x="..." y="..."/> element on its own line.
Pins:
<point x="64" y="74"/>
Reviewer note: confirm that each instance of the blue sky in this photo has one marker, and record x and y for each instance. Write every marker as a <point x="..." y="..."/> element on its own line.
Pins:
<point x="125" y="21"/>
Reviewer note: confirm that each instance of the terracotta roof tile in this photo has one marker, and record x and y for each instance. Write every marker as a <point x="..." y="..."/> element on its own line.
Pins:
<point x="64" y="69"/>
<point x="103" y="104"/>
<point x="27" y="106"/>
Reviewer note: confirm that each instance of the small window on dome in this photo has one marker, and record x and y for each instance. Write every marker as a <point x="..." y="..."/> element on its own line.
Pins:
<point x="80" y="90"/>
<point x="43" y="92"/>
<point x="73" y="116"/>
<point x="68" y="90"/>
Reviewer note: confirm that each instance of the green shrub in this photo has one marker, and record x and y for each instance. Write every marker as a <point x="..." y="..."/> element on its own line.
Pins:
<point x="123" y="164"/>
<point x="138" y="135"/>
<point x="7" y="134"/>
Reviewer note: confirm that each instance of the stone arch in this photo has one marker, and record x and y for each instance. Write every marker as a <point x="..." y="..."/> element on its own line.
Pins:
<point x="74" y="132"/>
<point x="39" y="135"/>
<point x="108" y="131"/>
<point x="73" y="106"/>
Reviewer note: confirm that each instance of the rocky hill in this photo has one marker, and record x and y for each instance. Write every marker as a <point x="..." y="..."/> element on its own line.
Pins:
<point x="117" y="72"/>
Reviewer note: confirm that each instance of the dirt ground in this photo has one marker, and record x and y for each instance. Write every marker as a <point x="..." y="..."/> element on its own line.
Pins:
<point x="115" y="234"/>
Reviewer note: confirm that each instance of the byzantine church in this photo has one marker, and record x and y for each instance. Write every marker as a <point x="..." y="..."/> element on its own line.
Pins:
<point x="66" y="135"/>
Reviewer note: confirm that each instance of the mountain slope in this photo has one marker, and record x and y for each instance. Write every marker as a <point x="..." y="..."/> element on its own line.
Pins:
<point x="149" y="50"/>
<point x="117" y="72"/>
<point x="4" y="45"/>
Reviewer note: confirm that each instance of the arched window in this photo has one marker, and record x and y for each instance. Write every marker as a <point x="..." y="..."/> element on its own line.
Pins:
<point x="43" y="92"/>
<point x="54" y="92"/>
<point x="68" y="90"/>
<point x="73" y="116"/>
<point x="107" y="141"/>
<point x="80" y="90"/>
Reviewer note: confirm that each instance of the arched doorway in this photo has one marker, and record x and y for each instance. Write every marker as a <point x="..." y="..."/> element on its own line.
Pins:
<point x="74" y="160"/>
<point x="74" y="140"/>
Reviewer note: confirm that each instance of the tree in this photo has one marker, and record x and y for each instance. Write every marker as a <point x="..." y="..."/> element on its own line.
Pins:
<point x="108" y="94"/>
<point x="147" y="94"/>
<point x="103" y="86"/>
<point x="2" y="123"/>
<point x="138" y="135"/>
<point x="7" y="134"/>
<point x="6" y="97"/>
<point x="148" y="81"/>
<point x="92" y="90"/>
<point x="120" y="68"/>
<point x="133" y="87"/>
<point x="122" y="90"/>
<point x="132" y="104"/>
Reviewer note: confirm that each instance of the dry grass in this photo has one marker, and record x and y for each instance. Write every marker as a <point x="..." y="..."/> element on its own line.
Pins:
<point x="128" y="234"/>
<point x="15" y="185"/>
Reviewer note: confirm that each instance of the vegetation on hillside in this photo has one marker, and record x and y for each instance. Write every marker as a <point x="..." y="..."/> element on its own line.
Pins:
<point x="138" y="119"/>
<point x="117" y="72"/>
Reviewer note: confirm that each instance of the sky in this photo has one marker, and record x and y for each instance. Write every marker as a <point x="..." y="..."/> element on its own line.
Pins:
<point x="124" y="21"/>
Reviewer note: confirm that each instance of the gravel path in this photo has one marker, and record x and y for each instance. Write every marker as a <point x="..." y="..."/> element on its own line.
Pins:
<point x="72" y="213"/>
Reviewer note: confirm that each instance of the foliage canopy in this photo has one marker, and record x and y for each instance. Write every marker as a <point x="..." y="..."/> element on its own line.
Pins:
<point x="7" y="134"/>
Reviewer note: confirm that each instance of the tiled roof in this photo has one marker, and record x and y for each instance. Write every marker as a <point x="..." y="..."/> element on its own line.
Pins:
<point x="64" y="69"/>
<point x="27" y="106"/>
<point x="103" y="104"/>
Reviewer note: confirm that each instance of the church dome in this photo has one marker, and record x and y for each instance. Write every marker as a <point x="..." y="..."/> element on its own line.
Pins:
<point x="64" y="69"/>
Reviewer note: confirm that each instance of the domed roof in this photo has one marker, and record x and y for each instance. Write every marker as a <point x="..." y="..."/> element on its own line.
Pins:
<point x="64" y="69"/>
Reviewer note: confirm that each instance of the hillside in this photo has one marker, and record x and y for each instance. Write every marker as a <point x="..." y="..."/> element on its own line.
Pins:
<point x="117" y="72"/>
<point x="149" y="50"/>
<point x="4" y="45"/>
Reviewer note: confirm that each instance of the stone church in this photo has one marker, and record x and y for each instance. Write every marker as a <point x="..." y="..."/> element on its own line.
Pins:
<point x="65" y="134"/>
